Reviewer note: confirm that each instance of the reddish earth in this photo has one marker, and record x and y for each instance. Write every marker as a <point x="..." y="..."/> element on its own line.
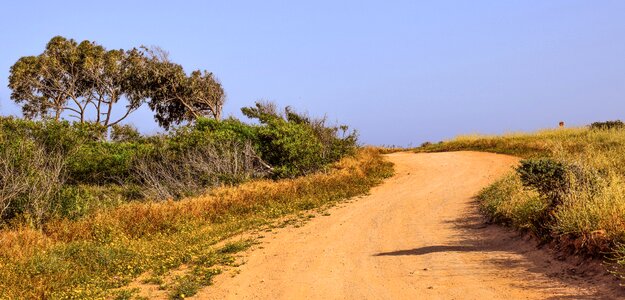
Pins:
<point x="417" y="236"/>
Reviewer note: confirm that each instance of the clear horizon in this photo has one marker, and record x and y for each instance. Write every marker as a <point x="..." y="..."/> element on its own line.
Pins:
<point x="400" y="73"/>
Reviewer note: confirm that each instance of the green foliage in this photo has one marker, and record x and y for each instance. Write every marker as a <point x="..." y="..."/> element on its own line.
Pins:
<point x="124" y="133"/>
<point x="105" y="162"/>
<point x="607" y="125"/>
<point x="186" y="161"/>
<point x="290" y="148"/>
<point x="295" y="144"/>
<point x="84" y="81"/>
<point x="76" y="201"/>
<point x="547" y="176"/>
<point x="208" y="130"/>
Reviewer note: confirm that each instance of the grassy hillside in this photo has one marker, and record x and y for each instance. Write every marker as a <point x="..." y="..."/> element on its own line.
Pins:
<point x="569" y="189"/>
<point x="51" y="169"/>
<point x="86" y="209"/>
<point x="98" y="255"/>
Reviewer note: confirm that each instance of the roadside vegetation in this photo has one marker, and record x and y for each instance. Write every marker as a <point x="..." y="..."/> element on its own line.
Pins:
<point x="568" y="190"/>
<point x="51" y="169"/>
<point x="92" y="257"/>
<point x="88" y="204"/>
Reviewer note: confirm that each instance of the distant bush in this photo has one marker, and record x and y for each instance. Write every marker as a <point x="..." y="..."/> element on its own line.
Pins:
<point x="61" y="136"/>
<point x="295" y="144"/>
<point x="617" y="124"/>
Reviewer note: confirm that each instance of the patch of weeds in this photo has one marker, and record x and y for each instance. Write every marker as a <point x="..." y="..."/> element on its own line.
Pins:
<point x="185" y="286"/>
<point x="188" y="285"/>
<point x="205" y="275"/>
<point x="125" y="294"/>
<point x="154" y="279"/>
<point x="234" y="247"/>
<point x="235" y="273"/>
<point x="306" y="205"/>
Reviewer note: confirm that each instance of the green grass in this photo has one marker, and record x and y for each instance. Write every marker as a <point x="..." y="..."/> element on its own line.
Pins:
<point x="98" y="256"/>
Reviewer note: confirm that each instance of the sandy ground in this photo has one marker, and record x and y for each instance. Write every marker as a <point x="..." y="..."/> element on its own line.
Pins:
<point x="417" y="236"/>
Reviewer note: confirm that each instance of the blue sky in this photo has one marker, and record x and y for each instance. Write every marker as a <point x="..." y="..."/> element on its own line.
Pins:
<point x="401" y="72"/>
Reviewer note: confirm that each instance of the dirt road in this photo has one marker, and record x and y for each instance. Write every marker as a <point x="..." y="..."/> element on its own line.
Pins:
<point x="417" y="236"/>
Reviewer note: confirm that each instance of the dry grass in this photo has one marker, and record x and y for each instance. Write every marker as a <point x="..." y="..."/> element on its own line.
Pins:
<point x="96" y="255"/>
<point x="540" y="143"/>
<point x="591" y="218"/>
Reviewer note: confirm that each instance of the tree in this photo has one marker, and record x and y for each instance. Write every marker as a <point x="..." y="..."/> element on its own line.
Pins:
<point x="85" y="81"/>
<point x="175" y="97"/>
<point x="45" y="84"/>
<point x="207" y="96"/>
<point x="107" y="77"/>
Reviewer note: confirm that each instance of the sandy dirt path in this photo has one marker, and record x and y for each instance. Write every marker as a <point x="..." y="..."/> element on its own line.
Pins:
<point x="417" y="236"/>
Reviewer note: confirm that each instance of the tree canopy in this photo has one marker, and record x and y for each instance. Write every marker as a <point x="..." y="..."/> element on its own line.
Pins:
<point x="85" y="81"/>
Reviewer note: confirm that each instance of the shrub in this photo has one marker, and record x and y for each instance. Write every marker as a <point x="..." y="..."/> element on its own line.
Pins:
<point x="617" y="124"/>
<point x="105" y="162"/>
<point x="295" y="144"/>
<point x="30" y="178"/>
<point x="190" y="171"/>
<point x="547" y="176"/>
<point x="290" y="148"/>
<point x="60" y="136"/>
<point x="76" y="201"/>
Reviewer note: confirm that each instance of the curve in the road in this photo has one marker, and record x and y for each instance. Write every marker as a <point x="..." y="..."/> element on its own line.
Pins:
<point x="417" y="236"/>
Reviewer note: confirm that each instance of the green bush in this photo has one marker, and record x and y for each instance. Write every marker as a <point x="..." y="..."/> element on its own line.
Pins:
<point x="295" y="144"/>
<point x="547" y="176"/>
<point x="290" y="148"/>
<point x="616" y="124"/>
<point x="105" y="162"/>
<point x="76" y="201"/>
